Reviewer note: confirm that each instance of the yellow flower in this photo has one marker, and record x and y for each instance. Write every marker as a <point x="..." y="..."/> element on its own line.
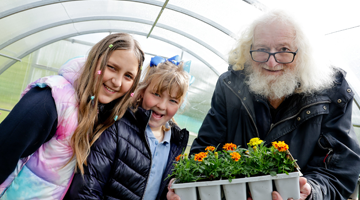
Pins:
<point x="254" y="147"/>
<point x="235" y="156"/>
<point x="254" y="142"/>
<point x="200" y="156"/>
<point x="281" y="146"/>
<point x="210" y="148"/>
<point x="229" y="147"/>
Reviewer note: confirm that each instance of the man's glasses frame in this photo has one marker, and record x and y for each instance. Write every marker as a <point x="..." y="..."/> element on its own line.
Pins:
<point x="273" y="54"/>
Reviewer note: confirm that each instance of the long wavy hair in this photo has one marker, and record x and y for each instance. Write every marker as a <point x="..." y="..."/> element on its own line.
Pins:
<point x="166" y="76"/>
<point x="87" y="85"/>
<point x="314" y="75"/>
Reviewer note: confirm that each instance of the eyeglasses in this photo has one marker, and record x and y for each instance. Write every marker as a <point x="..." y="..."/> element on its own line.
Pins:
<point x="282" y="57"/>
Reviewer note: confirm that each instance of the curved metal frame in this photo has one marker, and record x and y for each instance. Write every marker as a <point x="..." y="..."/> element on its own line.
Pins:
<point x="109" y="30"/>
<point x="83" y="19"/>
<point x="150" y="2"/>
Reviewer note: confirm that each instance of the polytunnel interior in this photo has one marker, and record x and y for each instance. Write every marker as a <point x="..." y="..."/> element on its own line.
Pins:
<point x="38" y="36"/>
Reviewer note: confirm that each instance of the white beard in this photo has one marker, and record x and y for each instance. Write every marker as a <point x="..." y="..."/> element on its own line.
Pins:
<point x="271" y="87"/>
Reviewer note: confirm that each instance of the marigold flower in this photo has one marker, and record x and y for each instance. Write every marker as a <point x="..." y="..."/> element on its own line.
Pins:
<point x="210" y="148"/>
<point x="200" y="156"/>
<point x="281" y="146"/>
<point x="254" y="142"/>
<point x="229" y="147"/>
<point x="178" y="157"/>
<point x="235" y="156"/>
<point x="254" y="147"/>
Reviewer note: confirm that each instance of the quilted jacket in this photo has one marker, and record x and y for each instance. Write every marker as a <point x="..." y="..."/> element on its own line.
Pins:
<point x="119" y="164"/>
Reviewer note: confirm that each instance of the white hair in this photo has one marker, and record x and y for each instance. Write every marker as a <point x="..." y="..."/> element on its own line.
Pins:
<point x="312" y="76"/>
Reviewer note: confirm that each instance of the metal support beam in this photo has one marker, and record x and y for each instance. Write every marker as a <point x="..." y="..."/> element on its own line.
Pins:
<point x="157" y="18"/>
<point x="108" y="30"/>
<point x="92" y="44"/>
<point x="257" y="4"/>
<point x="135" y="20"/>
<point x="150" y="2"/>
<point x="5" y="109"/>
<point x="10" y="57"/>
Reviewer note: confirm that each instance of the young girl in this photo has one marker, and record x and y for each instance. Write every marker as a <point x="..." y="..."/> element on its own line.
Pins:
<point x="132" y="158"/>
<point x="59" y="118"/>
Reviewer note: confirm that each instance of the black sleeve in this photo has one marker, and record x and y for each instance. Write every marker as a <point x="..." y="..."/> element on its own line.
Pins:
<point x="31" y="122"/>
<point x="334" y="169"/>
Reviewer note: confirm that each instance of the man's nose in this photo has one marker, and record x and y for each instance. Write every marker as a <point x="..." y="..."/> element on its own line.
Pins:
<point x="271" y="62"/>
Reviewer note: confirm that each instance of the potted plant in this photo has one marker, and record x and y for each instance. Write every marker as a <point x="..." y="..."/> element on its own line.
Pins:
<point x="234" y="167"/>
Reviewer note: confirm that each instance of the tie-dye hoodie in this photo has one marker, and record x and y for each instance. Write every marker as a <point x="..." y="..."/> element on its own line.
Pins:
<point x="43" y="175"/>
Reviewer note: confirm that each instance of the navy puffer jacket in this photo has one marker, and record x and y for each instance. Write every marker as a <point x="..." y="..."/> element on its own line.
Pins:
<point x="120" y="161"/>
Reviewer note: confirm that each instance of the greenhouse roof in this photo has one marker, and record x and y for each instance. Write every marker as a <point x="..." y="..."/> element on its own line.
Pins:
<point x="202" y="31"/>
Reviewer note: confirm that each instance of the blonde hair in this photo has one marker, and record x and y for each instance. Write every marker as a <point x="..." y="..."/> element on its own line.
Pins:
<point x="312" y="76"/>
<point x="89" y="129"/>
<point x="166" y="76"/>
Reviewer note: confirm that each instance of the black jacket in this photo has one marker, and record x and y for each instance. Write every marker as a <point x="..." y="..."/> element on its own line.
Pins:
<point x="120" y="161"/>
<point x="317" y="129"/>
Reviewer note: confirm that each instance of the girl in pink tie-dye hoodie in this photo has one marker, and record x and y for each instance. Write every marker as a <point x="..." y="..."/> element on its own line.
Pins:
<point x="89" y="95"/>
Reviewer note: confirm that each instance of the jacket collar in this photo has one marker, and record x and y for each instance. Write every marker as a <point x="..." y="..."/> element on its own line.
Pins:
<point x="140" y="117"/>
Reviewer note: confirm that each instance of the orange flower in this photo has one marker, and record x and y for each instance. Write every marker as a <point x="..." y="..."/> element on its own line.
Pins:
<point x="210" y="148"/>
<point x="229" y="147"/>
<point x="235" y="156"/>
<point x="280" y="146"/>
<point x="200" y="156"/>
<point x="178" y="157"/>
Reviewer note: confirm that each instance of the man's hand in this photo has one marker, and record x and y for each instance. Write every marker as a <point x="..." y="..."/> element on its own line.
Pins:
<point x="171" y="194"/>
<point x="305" y="190"/>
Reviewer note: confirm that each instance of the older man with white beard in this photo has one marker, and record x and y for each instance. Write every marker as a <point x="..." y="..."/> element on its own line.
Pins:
<point x="276" y="92"/>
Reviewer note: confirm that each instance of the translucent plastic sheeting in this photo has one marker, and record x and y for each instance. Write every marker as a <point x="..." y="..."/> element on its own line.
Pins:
<point x="112" y="25"/>
<point x="78" y="9"/>
<point x="231" y="14"/>
<point x="56" y="54"/>
<point x="6" y="5"/>
<point x="343" y="49"/>
<point x="210" y="57"/>
<point x="200" y="92"/>
<point x="208" y="34"/>
<point x="22" y="22"/>
<point x="325" y="16"/>
<point x="33" y="42"/>
<point x="157" y="47"/>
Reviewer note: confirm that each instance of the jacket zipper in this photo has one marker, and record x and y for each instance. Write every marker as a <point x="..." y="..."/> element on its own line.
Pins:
<point x="257" y="132"/>
<point x="147" y="180"/>
<point x="273" y="125"/>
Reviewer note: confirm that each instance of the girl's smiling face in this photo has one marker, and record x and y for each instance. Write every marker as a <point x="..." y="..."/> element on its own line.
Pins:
<point x="164" y="106"/>
<point x="119" y="75"/>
